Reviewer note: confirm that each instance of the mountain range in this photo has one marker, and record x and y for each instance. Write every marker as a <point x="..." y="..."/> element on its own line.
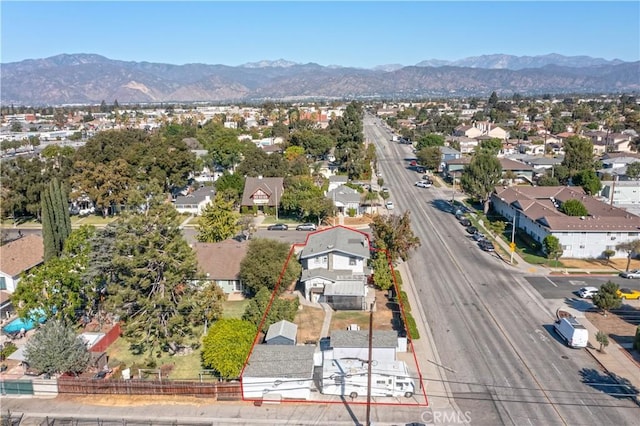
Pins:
<point x="91" y="78"/>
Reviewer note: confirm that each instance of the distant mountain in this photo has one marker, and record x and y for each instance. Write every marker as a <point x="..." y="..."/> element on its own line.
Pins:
<point x="90" y="79"/>
<point x="511" y="62"/>
<point x="388" y="67"/>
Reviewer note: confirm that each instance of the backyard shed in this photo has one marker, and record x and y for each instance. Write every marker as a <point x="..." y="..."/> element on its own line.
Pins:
<point x="282" y="333"/>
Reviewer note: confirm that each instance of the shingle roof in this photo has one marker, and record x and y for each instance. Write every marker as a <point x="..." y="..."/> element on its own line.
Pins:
<point x="339" y="239"/>
<point x="271" y="186"/>
<point x="280" y="361"/>
<point x="344" y="194"/>
<point x="221" y="261"/>
<point x="282" y="328"/>
<point x="21" y="255"/>
<point x="196" y="197"/>
<point x="360" y="339"/>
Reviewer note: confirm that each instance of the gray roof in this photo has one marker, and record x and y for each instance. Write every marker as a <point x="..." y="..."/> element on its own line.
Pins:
<point x="327" y="274"/>
<point x="346" y="288"/>
<point x="344" y="194"/>
<point x="338" y="238"/>
<point x="273" y="187"/>
<point x="338" y="178"/>
<point x="445" y="150"/>
<point x="282" y="328"/>
<point x="360" y="339"/>
<point x="197" y="196"/>
<point x="280" y="361"/>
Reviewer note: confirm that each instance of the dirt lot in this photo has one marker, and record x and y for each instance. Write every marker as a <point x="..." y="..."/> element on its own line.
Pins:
<point x="618" y="330"/>
<point x="309" y="321"/>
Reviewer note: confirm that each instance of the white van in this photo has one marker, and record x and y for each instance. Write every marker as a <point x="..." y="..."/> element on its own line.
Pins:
<point x="574" y="333"/>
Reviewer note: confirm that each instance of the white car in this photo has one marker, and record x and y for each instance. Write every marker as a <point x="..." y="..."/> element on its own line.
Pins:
<point x="389" y="205"/>
<point x="635" y="273"/>
<point x="423" y="184"/>
<point x="587" y="292"/>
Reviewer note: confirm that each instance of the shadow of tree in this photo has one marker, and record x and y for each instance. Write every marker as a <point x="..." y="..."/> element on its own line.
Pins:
<point x="610" y="384"/>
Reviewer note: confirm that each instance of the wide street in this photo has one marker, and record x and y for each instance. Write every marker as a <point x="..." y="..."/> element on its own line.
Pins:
<point x="491" y="328"/>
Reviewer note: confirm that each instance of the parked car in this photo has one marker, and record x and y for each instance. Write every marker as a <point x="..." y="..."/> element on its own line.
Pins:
<point x="472" y="229"/>
<point x="587" y="292"/>
<point x="384" y="189"/>
<point x="628" y="293"/>
<point x="572" y="332"/>
<point x="479" y="236"/>
<point x="306" y="227"/>
<point x="421" y="169"/>
<point x="278" y="227"/>
<point x="389" y="205"/>
<point x="423" y="184"/>
<point x="465" y="222"/>
<point x="635" y="273"/>
<point x="413" y="163"/>
<point x="486" y="245"/>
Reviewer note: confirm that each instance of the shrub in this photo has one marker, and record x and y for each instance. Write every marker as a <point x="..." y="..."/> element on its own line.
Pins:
<point x="412" y="328"/>
<point x="8" y="349"/>
<point x="351" y="212"/>
<point x="398" y="279"/>
<point x="404" y="299"/>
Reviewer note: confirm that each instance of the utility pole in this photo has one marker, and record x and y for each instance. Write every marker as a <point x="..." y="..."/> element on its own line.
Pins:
<point x="512" y="246"/>
<point x="368" y="418"/>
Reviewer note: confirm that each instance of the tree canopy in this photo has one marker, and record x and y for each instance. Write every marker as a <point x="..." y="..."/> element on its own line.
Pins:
<point x="280" y="309"/>
<point x="394" y="234"/>
<point x="578" y="154"/>
<point x="226" y="346"/>
<point x="264" y="265"/>
<point x="56" y="348"/>
<point x="574" y="207"/>
<point x="607" y="297"/>
<point x="480" y="177"/>
<point x="218" y="222"/>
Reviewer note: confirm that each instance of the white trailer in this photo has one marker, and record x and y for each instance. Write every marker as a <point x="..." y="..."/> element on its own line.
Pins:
<point x="349" y="377"/>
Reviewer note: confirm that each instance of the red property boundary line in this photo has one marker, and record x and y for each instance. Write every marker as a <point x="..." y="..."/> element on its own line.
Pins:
<point x="342" y="401"/>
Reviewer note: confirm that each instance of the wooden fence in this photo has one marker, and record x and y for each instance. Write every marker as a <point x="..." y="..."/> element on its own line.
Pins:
<point x="221" y="391"/>
<point x="109" y="337"/>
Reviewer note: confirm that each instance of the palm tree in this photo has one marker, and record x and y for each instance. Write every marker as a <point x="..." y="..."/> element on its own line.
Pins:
<point x="370" y="198"/>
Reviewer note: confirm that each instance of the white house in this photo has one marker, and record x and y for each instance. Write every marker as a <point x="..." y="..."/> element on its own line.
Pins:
<point x="537" y="213"/>
<point x="334" y="268"/>
<point x="621" y="192"/>
<point x="278" y="372"/>
<point x="17" y="257"/>
<point x="345" y="199"/>
<point x="195" y="202"/>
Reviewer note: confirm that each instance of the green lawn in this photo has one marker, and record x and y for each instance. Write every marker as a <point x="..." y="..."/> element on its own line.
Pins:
<point x="182" y="366"/>
<point x="92" y="220"/>
<point x="234" y="308"/>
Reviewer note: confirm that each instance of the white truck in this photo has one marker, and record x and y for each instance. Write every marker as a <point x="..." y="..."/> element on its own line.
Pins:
<point x="349" y="377"/>
<point x="394" y="138"/>
<point x="572" y="332"/>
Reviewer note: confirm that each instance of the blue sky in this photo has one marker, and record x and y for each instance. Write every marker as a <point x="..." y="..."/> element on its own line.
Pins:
<point x="360" y="34"/>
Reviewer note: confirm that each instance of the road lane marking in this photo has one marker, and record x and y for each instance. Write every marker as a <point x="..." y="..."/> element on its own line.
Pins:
<point x="586" y="407"/>
<point x="555" y="368"/>
<point x="552" y="283"/>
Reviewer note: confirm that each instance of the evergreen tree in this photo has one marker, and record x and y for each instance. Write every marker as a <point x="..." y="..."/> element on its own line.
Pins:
<point x="219" y="221"/>
<point x="56" y="348"/>
<point x="56" y="222"/>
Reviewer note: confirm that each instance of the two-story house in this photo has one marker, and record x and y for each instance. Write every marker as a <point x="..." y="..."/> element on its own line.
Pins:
<point x="18" y="257"/>
<point x="262" y="191"/>
<point x="334" y="268"/>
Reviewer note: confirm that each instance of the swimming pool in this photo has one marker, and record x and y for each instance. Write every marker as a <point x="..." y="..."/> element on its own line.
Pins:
<point x="20" y="323"/>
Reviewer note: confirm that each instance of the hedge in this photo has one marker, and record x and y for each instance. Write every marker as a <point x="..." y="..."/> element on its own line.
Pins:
<point x="412" y="328"/>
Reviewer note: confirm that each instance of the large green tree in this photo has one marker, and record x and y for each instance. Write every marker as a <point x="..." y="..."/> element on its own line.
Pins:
<point x="56" y="222"/>
<point x="280" y="309"/>
<point x="578" y="154"/>
<point x="382" y="276"/>
<point x="430" y="157"/>
<point x="574" y="207"/>
<point x="265" y="263"/>
<point x="552" y="247"/>
<point x="430" y="140"/>
<point x="394" y="233"/>
<point x="56" y="349"/>
<point x="226" y="346"/>
<point x="219" y="221"/>
<point x="588" y="180"/>
<point x="303" y="199"/>
<point x="148" y="287"/>
<point x="480" y="177"/>
<point x="633" y="170"/>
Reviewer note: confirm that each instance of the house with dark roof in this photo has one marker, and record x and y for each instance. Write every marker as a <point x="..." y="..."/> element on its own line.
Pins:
<point x="536" y="212"/>
<point x="355" y="344"/>
<point x="275" y="372"/>
<point x="17" y="258"/>
<point x="195" y="202"/>
<point x="334" y="268"/>
<point x="282" y="333"/>
<point x="220" y="263"/>
<point x="260" y="192"/>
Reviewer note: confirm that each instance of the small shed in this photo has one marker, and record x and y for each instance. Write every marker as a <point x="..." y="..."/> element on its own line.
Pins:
<point x="282" y="333"/>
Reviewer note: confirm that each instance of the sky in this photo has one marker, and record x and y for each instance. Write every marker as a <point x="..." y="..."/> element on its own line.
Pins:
<point x="360" y="34"/>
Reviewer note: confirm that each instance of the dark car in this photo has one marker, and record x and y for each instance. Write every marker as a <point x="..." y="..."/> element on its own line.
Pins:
<point x="420" y="169"/>
<point x="306" y="227"/>
<point x="465" y="222"/>
<point x="278" y="227"/>
<point x="472" y="229"/>
<point x="101" y="374"/>
<point x="486" y="245"/>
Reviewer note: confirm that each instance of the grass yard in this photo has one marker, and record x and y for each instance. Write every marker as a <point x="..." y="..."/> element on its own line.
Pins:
<point x="309" y="321"/>
<point x="177" y="367"/>
<point x="91" y="220"/>
<point x="234" y="308"/>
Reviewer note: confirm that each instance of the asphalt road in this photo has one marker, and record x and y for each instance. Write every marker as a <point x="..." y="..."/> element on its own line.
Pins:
<point x="490" y="327"/>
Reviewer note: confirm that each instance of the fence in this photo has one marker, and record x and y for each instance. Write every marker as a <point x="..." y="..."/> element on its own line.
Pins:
<point x="107" y="339"/>
<point x="221" y="391"/>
